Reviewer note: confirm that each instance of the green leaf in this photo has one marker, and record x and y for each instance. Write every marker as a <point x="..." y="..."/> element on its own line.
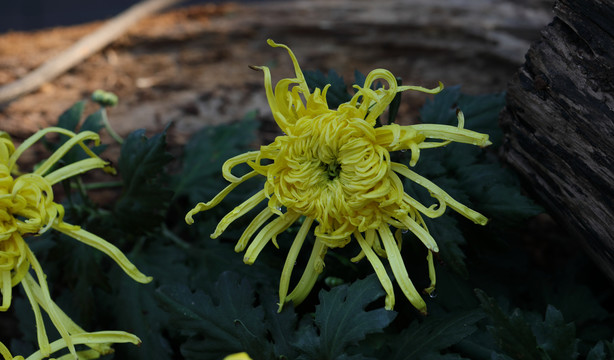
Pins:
<point x="281" y="326"/>
<point x="359" y="78"/>
<point x="71" y="117"/>
<point x="507" y="204"/>
<point x="482" y="114"/>
<point x="395" y="104"/>
<point x="449" y="238"/>
<point x="512" y="333"/>
<point x="555" y="336"/>
<point x="141" y="165"/>
<point x="342" y="320"/>
<point x="69" y="120"/>
<point x="336" y="94"/>
<point x="481" y="111"/>
<point x="601" y="351"/>
<point x="204" y="155"/>
<point x="442" y="108"/>
<point x="138" y="310"/>
<point x="426" y="340"/>
<point x="94" y="122"/>
<point x="139" y="313"/>
<point x="597" y="352"/>
<point x="222" y="321"/>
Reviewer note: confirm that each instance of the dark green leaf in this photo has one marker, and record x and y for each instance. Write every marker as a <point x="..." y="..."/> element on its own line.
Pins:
<point x="71" y="117"/>
<point x="141" y="164"/>
<point x="139" y="313"/>
<point x="359" y="78"/>
<point x="512" y="333"/>
<point x="343" y="321"/>
<point x="449" y="238"/>
<point x="201" y="177"/>
<point x="436" y="333"/>
<point x="94" y="122"/>
<point x="224" y="322"/>
<point x="597" y="352"/>
<point x="507" y="204"/>
<point x="555" y="336"/>
<point x="395" y="104"/>
<point x="337" y="93"/>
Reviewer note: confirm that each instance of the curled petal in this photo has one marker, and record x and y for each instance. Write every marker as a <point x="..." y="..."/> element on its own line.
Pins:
<point x="189" y="218"/>
<point x="310" y="275"/>
<point x="270" y="231"/>
<point x="106" y="247"/>
<point x="286" y="273"/>
<point x="399" y="270"/>
<point x="378" y="266"/>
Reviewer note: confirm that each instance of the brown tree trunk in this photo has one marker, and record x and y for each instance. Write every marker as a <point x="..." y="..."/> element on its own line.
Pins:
<point x="559" y="123"/>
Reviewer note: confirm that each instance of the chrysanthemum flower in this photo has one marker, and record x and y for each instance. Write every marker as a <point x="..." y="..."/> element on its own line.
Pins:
<point x="99" y="337"/>
<point x="238" y="356"/>
<point x="27" y="209"/>
<point x="333" y="167"/>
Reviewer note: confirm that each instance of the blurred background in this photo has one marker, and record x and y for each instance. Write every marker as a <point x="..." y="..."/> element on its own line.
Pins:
<point x="189" y="64"/>
<point x="25" y="15"/>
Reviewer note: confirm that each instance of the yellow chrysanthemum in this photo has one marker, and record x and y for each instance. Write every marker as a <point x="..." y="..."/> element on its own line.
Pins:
<point x="238" y="356"/>
<point x="26" y="209"/>
<point x="333" y="167"/>
<point x="100" y="337"/>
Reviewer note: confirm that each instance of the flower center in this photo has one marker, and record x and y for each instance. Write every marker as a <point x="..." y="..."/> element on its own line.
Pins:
<point x="331" y="169"/>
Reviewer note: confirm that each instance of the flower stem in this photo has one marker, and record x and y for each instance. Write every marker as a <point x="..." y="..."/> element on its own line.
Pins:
<point x="107" y="125"/>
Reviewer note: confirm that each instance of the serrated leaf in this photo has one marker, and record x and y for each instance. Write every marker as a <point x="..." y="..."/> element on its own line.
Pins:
<point x="507" y="204"/>
<point x="281" y="326"/>
<point x="69" y="120"/>
<point x="94" y="122"/>
<point x="223" y="322"/>
<point x="597" y="352"/>
<point x="359" y="78"/>
<point x="141" y="164"/>
<point x="71" y="117"/>
<point x="482" y="114"/>
<point x="434" y="334"/>
<point x="138" y="313"/>
<point x="395" y="104"/>
<point x="555" y="336"/>
<point x="481" y="111"/>
<point x="204" y="156"/>
<point x="512" y="333"/>
<point x="442" y="108"/>
<point x="449" y="238"/>
<point x="343" y="321"/>
<point x="337" y="93"/>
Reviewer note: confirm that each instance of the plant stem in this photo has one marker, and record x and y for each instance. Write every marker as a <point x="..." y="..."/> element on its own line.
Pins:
<point x="105" y="121"/>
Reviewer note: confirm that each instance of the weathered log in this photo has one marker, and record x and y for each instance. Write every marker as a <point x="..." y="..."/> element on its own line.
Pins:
<point x="559" y="123"/>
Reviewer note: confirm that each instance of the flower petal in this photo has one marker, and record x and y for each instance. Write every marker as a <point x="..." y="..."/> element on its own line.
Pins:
<point x="399" y="270"/>
<point x="237" y="212"/>
<point x="378" y="266"/>
<point x="106" y="247"/>
<point x="286" y="273"/>
<point x="189" y="217"/>
<point x="310" y="275"/>
<point x="271" y="230"/>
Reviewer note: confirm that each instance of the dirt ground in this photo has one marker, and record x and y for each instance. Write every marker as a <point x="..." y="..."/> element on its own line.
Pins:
<point x="190" y="66"/>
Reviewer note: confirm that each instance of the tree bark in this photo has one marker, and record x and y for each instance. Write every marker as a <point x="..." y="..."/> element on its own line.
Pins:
<point x="559" y="123"/>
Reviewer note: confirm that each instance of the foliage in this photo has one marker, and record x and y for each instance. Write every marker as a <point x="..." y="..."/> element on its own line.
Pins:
<point x="205" y="303"/>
